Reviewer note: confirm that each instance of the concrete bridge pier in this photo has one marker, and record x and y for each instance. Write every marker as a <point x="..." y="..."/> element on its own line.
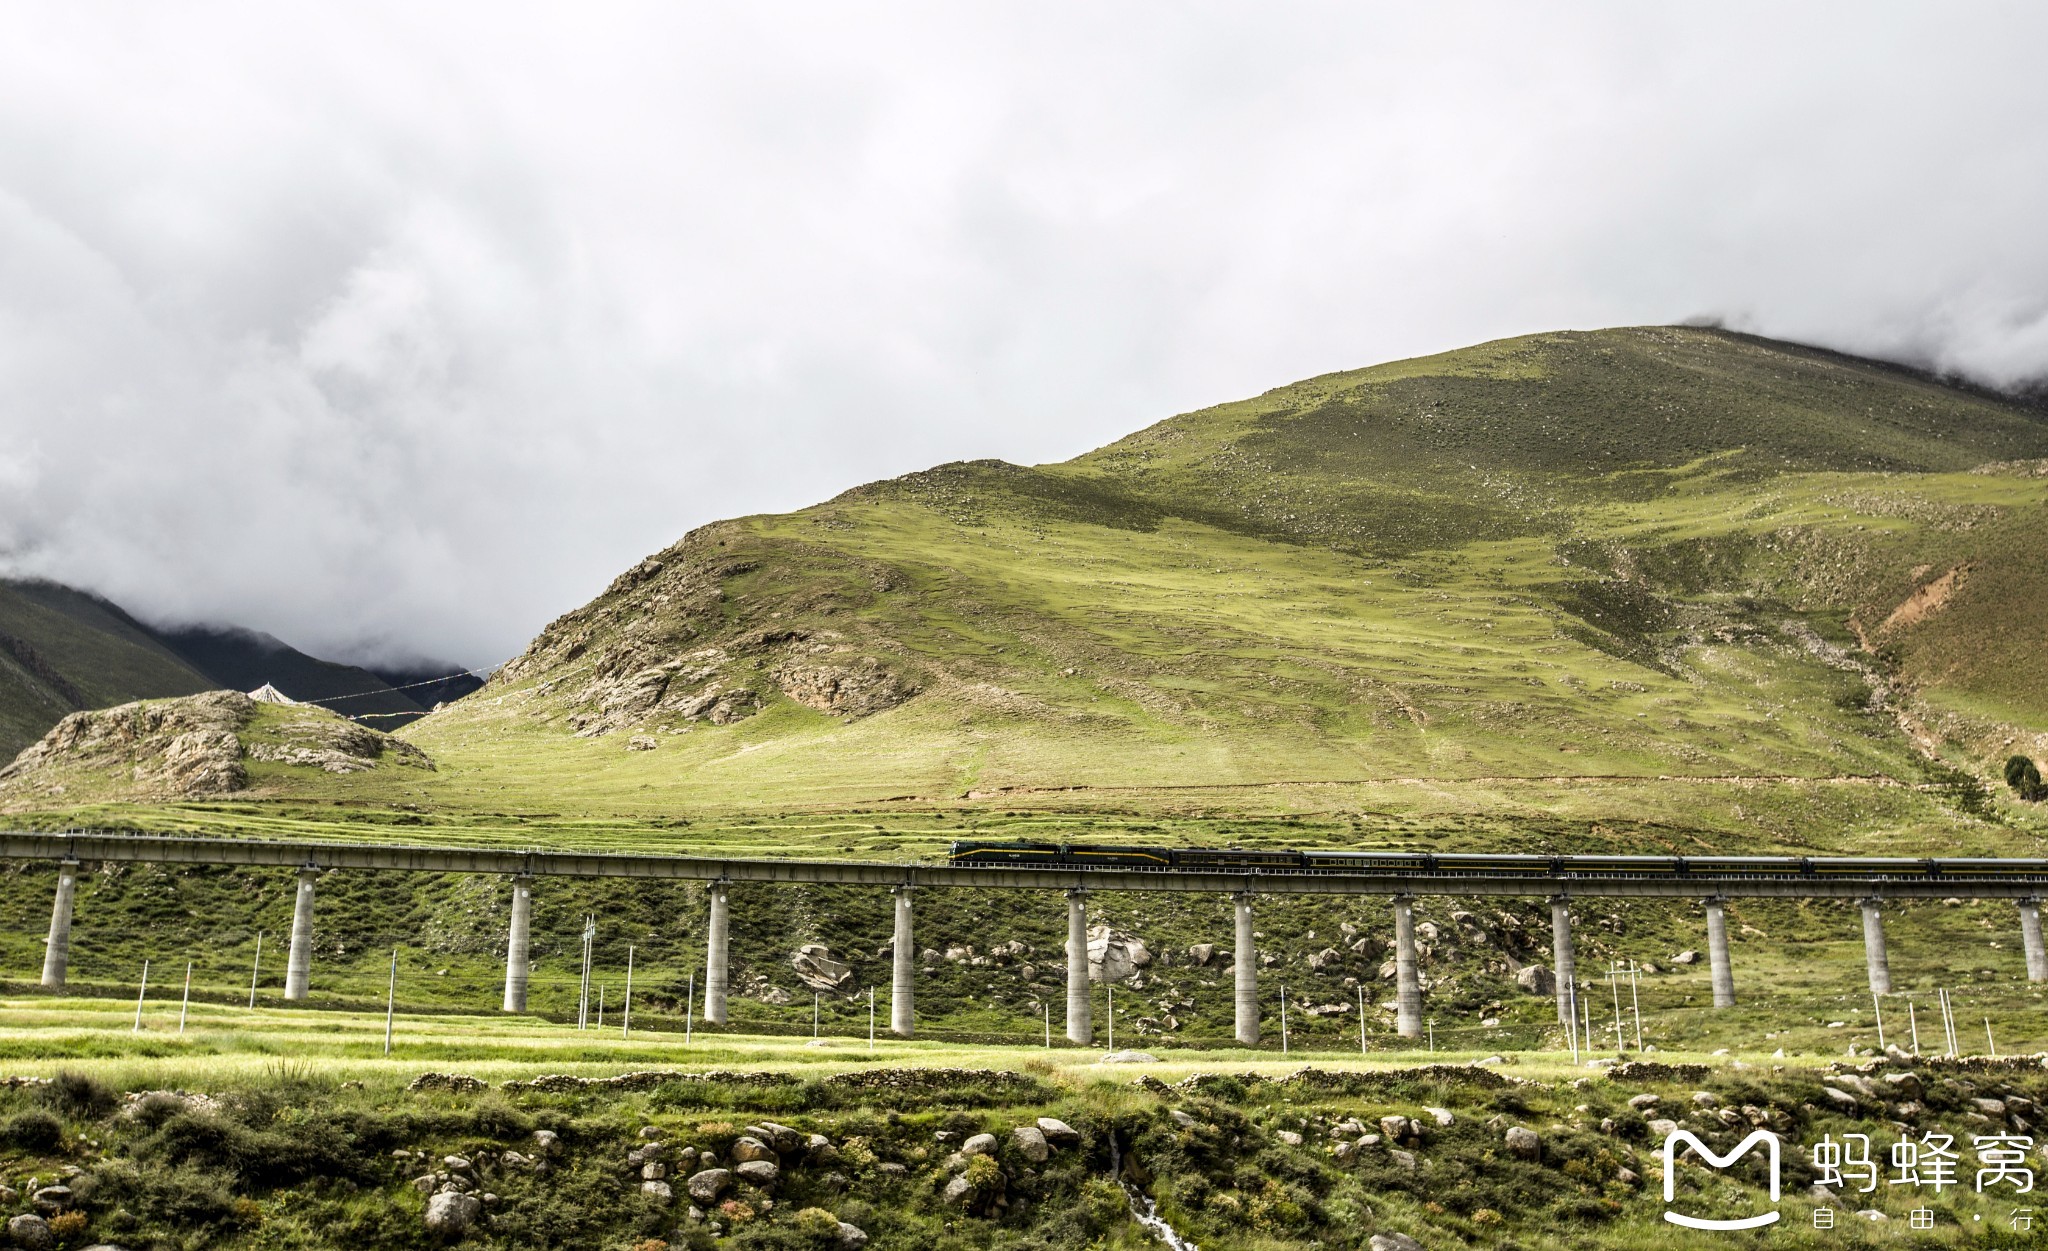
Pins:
<point x="717" y="967"/>
<point x="298" y="968"/>
<point x="1561" y="955"/>
<point x="1717" y="954"/>
<point x="902" y="1012"/>
<point x="518" y="944"/>
<point x="57" y="951"/>
<point x="2030" y="936"/>
<point x="1080" y="1008"/>
<point x="1407" y="982"/>
<point x="1247" y="960"/>
<point x="1873" y="948"/>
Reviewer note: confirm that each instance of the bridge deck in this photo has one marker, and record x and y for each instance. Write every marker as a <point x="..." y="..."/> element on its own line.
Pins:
<point x="1988" y="881"/>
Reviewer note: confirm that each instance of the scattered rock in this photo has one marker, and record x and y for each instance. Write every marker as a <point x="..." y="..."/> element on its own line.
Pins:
<point x="705" y="1187"/>
<point x="762" y="1173"/>
<point x="1523" y="1143"/>
<point x="746" y="1149"/>
<point x="781" y="1138"/>
<point x="1030" y="1143"/>
<point x="1393" y="1242"/>
<point x="1442" y="1116"/>
<point x="980" y="1144"/>
<point x="852" y="1237"/>
<point x="1201" y="954"/>
<point x="1840" y="1098"/>
<point x="1058" y="1131"/>
<point x="451" y="1213"/>
<point x="642" y="742"/>
<point x="959" y="1190"/>
<point x="547" y="1142"/>
<point x="1289" y="1137"/>
<point x="32" y="1233"/>
<point x="1129" y="1057"/>
<point x="1663" y="1128"/>
<point x="1645" y="1100"/>
<point x="1686" y="957"/>
<point x="657" y="1189"/>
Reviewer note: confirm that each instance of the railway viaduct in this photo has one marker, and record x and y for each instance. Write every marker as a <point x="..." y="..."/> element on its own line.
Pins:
<point x="2021" y="882"/>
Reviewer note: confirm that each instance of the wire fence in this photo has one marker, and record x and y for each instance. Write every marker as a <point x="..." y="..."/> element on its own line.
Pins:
<point x="1609" y="1018"/>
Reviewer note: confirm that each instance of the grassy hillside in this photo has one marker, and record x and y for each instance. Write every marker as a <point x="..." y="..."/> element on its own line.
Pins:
<point x="62" y="650"/>
<point x="1674" y="585"/>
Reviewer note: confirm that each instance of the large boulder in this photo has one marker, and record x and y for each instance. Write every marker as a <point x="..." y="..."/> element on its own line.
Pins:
<point x="762" y="1173"/>
<point x="747" y="1148"/>
<point x="451" y="1213"/>
<point x="1113" y="956"/>
<point x="1523" y="1143"/>
<point x="1537" y="980"/>
<point x="819" y="969"/>
<point x="1057" y="1131"/>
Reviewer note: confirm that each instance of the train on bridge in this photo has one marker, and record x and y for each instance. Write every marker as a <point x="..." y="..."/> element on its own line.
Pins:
<point x="1024" y="854"/>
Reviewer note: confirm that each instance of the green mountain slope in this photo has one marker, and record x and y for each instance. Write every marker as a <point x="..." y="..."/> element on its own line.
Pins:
<point x="63" y="650"/>
<point x="1715" y="586"/>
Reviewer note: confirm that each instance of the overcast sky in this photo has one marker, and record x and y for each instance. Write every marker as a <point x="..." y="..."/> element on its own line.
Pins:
<point x="398" y="330"/>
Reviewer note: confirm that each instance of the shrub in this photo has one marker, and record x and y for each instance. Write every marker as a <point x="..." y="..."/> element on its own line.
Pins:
<point x="68" y="1225"/>
<point x="35" y="1131"/>
<point x="818" y="1224"/>
<point x="77" y="1095"/>
<point x="2024" y="776"/>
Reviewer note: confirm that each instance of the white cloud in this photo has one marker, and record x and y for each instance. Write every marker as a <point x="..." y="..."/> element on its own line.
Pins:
<point x="403" y="328"/>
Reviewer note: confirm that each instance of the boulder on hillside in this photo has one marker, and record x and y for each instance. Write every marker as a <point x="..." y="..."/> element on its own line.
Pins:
<point x="816" y="966"/>
<point x="1537" y="980"/>
<point x="1113" y="956"/>
<point x="451" y="1213"/>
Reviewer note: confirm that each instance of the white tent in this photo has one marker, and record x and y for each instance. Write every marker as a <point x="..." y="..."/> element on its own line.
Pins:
<point x="268" y="694"/>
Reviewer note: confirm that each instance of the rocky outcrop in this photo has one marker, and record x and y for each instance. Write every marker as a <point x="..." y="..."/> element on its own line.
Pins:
<point x="335" y="745"/>
<point x="199" y="745"/>
<point x="188" y="746"/>
<point x="856" y="687"/>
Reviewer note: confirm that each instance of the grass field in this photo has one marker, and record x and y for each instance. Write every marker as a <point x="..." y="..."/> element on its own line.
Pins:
<point x="311" y="1132"/>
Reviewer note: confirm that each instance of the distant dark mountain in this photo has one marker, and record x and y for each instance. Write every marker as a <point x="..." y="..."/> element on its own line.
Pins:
<point x="244" y="660"/>
<point x="62" y="650"/>
<point x="428" y="685"/>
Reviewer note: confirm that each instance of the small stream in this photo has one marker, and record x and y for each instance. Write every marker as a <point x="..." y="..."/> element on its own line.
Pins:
<point x="1144" y="1208"/>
